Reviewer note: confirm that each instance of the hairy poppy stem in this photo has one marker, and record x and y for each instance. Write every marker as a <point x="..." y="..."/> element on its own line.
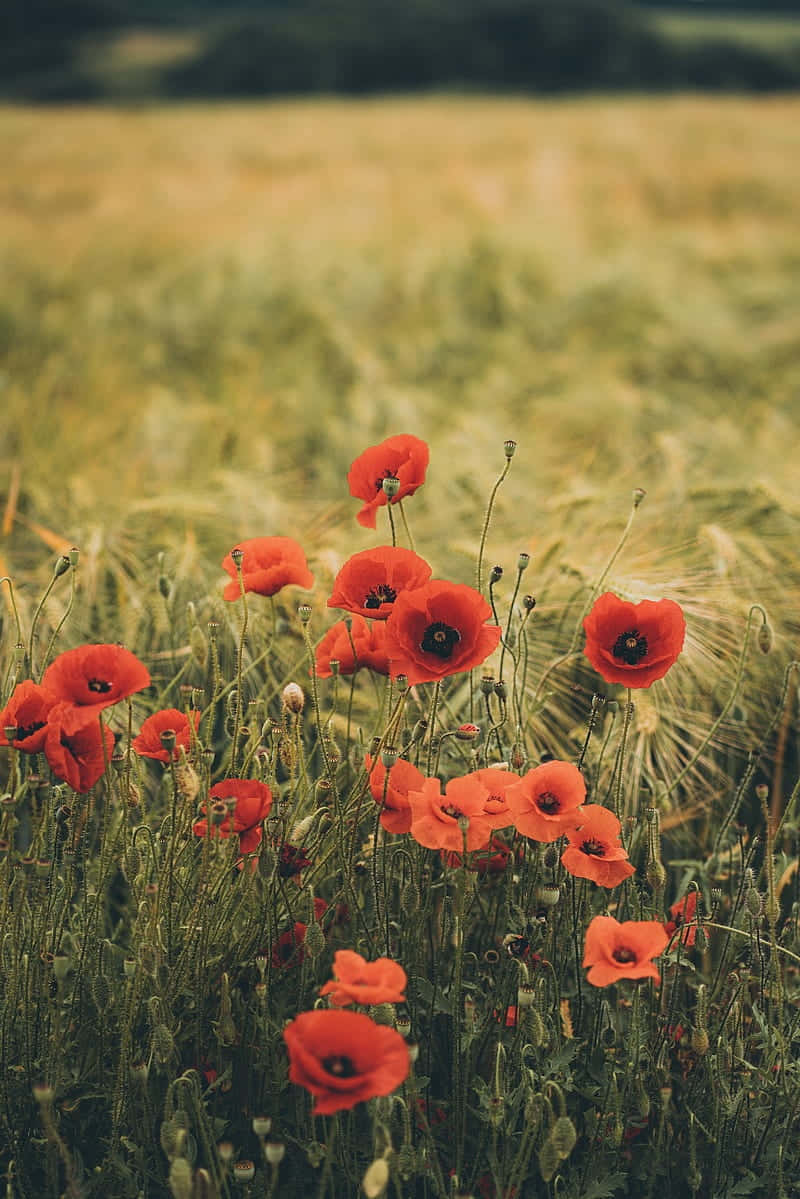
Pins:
<point x="237" y="720"/>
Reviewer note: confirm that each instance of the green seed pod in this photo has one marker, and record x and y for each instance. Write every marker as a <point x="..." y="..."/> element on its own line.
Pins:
<point x="162" y="1044"/>
<point x="549" y="1159"/>
<point x="382" y="1013"/>
<point x="180" y="1178"/>
<point x="314" y="940"/>
<point x="563" y="1136"/>
<point x="655" y="874"/>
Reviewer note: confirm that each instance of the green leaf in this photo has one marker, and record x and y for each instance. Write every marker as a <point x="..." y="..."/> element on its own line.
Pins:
<point x="602" y="1188"/>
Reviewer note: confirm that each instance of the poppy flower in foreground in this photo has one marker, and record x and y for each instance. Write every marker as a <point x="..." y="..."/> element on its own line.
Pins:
<point x="148" y="743"/>
<point x="78" y="757"/>
<point x="363" y="645"/>
<point x="26" y="712"/>
<point x="371" y="581"/>
<point x="545" y="798"/>
<point x="435" y="816"/>
<point x="355" y="980"/>
<point x="268" y="564"/>
<point x="683" y="912"/>
<point x="633" y="644"/>
<point x="403" y="457"/>
<point x="438" y="630"/>
<point x="91" y="678"/>
<point x="403" y="777"/>
<point x="615" y="950"/>
<point x="244" y="803"/>
<point x="344" y="1058"/>
<point x="595" y="850"/>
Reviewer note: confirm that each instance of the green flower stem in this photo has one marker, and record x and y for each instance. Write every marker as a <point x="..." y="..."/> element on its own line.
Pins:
<point x="63" y="621"/>
<point x="432" y="723"/>
<point x="405" y="526"/>
<point x="486" y="522"/>
<point x="596" y="589"/>
<point x="237" y="720"/>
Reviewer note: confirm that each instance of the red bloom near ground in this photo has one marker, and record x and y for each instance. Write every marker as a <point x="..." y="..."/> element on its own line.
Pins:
<point x="356" y="980"/>
<point x="403" y="457"/>
<point x="494" y="859"/>
<point x="435" y="816"/>
<point x="288" y="949"/>
<point x="26" y="711"/>
<point x="370" y="582"/>
<point x="683" y="912"/>
<point x="91" y="678"/>
<point x="76" y="757"/>
<point x="269" y="563"/>
<point x="615" y="950"/>
<point x="344" y="1058"/>
<point x="595" y="850"/>
<point x="438" y="630"/>
<point x="633" y="644"/>
<point x="403" y="777"/>
<point x="364" y="645"/>
<point x="148" y="743"/>
<point x="248" y="803"/>
<point x="545" y="799"/>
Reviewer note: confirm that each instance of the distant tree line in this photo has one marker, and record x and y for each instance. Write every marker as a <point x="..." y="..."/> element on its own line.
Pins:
<point x="278" y="47"/>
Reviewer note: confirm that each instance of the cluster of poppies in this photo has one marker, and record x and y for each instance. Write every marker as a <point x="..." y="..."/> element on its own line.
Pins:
<point x="62" y="716"/>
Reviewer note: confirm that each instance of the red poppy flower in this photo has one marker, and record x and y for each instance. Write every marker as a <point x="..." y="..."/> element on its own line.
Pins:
<point x="434" y="816"/>
<point x="288" y="949"/>
<point x="494" y="859"/>
<point x="545" y="798"/>
<point x="93" y="677"/>
<point x="292" y="861"/>
<point x="403" y="457"/>
<point x="356" y="980"/>
<point x="26" y="711"/>
<point x="77" y="757"/>
<point x="371" y="581"/>
<point x="344" y="1058"/>
<point x="617" y="950"/>
<point x="338" y="644"/>
<point x="269" y="563"/>
<point x="248" y="803"/>
<point x="633" y="644"/>
<point x="438" y="630"/>
<point x="403" y="777"/>
<point x="595" y="850"/>
<point x="683" y="912"/>
<point x="148" y="743"/>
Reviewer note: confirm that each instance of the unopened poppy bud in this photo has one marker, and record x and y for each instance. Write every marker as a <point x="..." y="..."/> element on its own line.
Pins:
<point x="655" y="874"/>
<point x="410" y="899"/>
<point x="523" y="562"/>
<point x="390" y="486"/>
<point x="764" y="637"/>
<point x="198" y="645"/>
<point x="274" y="1152"/>
<point x="487" y="684"/>
<point x="468" y="732"/>
<point x="162" y="1044"/>
<point x="164" y="586"/>
<point x="563" y="1136"/>
<point x="262" y="1125"/>
<point x="496" y="574"/>
<point x="293" y="698"/>
<point x="638" y="495"/>
<point x="549" y="1160"/>
<point x="244" y="1170"/>
<point x="314" y="940"/>
<point x="237" y="556"/>
<point x="389" y="756"/>
<point x="753" y="902"/>
<point x="699" y="1041"/>
<point x="304" y="613"/>
<point x="180" y="1179"/>
<point x="508" y="449"/>
<point x="550" y="857"/>
<point x="61" y="566"/>
<point x="376" y="1178"/>
<point x="74" y="556"/>
<point x="518" y="758"/>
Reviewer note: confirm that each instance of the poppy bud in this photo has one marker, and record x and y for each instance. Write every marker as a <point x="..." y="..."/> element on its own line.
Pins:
<point x="274" y="1152"/>
<point x="244" y="1170"/>
<point x="550" y="857"/>
<point x="101" y="992"/>
<point x="198" y="645"/>
<point x="391" y="486"/>
<point x="655" y="874"/>
<point x="163" y="586"/>
<point x="753" y="902"/>
<point x="376" y="1178"/>
<point x="549" y="1160"/>
<point x="410" y="899"/>
<point x="314" y="940"/>
<point x="563" y="1136"/>
<point x="764" y="637"/>
<point x="382" y="1013"/>
<point x="699" y="1041"/>
<point x="180" y="1178"/>
<point x="508" y="449"/>
<point x="162" y="1044"/>
<point x="468" y="732"/>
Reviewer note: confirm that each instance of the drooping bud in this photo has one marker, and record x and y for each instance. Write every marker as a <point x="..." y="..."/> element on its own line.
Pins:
<point x="764" y="637"/>
<point x="468" y="732"/>
<point x="293" y="698"/>
<point x="376" y="1178"/>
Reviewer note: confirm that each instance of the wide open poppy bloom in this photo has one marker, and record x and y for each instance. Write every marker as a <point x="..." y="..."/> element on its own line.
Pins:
<point x="438" y="630"/>
<point x="344" y="1058"/>
<point x="403" y="777"/>
<point x="683" y="912"/>
<point x="91" y="678"/>
<point x="371" y="581"/>
<point x="338" y="645"/>
<point x="148" y="743"/>
<point x="615" y="950"/>
<point x="269" y="563"/>
<point x="633" y="644"/>
<point x="595" y="850"/>
<point x="248" y="803"/>
<point x="546" y="798"/>
<point x="403" y="457"/>
<point x="78" y="757"/>
<point x="26" y="711"/>
<point x="435" y="816"/>
<point x="355" y="980"/>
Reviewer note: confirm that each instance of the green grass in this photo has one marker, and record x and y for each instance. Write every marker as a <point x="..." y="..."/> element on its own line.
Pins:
<point x="772" y="32"/>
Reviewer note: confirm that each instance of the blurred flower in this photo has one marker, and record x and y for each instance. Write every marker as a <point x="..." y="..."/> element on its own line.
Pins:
<point x="292" y="860"/>
<point x="615" y="950"/>
<point x="356" y="980"/>
<point x="545" y="798"/>
<point x="91" y="678"/>
<point x="27" y="711"/>
<point x="148" y="743"/>
<point x="249" y="803"/>
<point x="595" y="850"/>
<point x="396" y="810"/>
<point x="633" y="644"/>
<point x="683" y="912"/>
<point x="339" y="643"/>
<point x="439" y="630"/>
<point x="288" y="949"/>
<point x="402" y="457"/>
<point x="77" y="757"/>
<point x="268" y="564"/>
<point x="369" y="582"/>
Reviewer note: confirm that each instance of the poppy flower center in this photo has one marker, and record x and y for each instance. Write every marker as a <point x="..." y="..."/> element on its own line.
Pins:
<point x="594" y="848"/>
<point x="387" y="474"/>
<point x="623" y="955"/>
<point x="518" y="947"/>
<point x="340" y="1066"/>
<point x="548" y="802"/>
<point x="440" y="639"/>
<point x="450" y="810"/>
<point x="382" y="594"/>
<point x="29" y="729"/>
<point x="101" y="686"/>
<point x="630" y="647"/>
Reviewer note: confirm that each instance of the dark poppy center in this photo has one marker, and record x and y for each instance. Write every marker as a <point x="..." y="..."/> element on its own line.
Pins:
<point x="28" y="730"/>
<point x="518" y="947"/>
<point x="101" y="686"/>
<point x="623" y="955"/>
<point x="340" y="1066"/>
<point x="595" y="849"/>
<point x="450" y="810"/>
<point x="548" y="802"/>
<point x="382" y="594"/>
<point x="440" y="639"/>
<point x="630" y="647"/>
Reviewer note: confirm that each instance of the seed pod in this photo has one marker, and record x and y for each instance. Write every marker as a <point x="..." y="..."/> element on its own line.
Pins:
<point x="198" y="644"/>
<point x="655" y="874"/>
<point x="382" y="1013"/>
<point x="244" y="1170"/>
<point x="261" y="1125"/>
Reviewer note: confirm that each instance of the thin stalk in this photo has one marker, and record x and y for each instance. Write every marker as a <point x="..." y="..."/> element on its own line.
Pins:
<point x="237" y="720"/>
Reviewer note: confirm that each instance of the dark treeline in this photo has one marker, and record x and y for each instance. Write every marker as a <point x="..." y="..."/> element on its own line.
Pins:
<point x="274" y="47"/>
